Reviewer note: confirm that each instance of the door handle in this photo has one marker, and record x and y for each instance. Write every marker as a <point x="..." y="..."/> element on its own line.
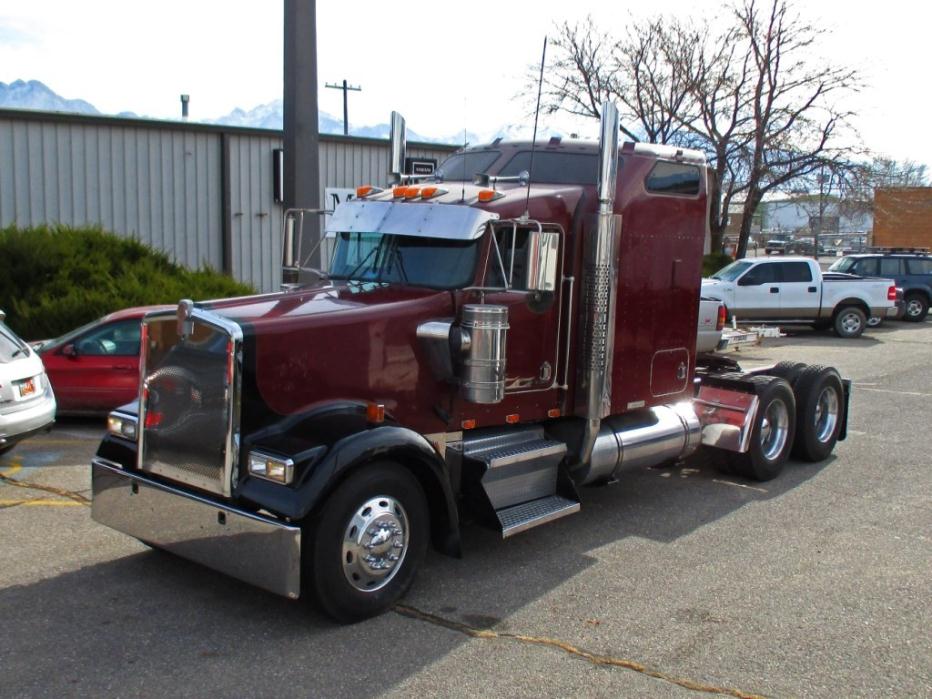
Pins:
<point x="775" y="290"/>
<point x="813" y="289"/>
<point x="123" y="367"/>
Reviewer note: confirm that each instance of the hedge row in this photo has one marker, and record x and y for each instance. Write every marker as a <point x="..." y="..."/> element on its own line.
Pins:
<point x="53" y="279"/>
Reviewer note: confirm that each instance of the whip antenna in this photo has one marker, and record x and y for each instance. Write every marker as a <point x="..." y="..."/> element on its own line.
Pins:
<point x="540" y="87"/>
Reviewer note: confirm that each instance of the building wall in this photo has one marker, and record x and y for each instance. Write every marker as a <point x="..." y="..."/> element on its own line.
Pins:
<point x="201" y="193"/>
<point x="903" y="217"/>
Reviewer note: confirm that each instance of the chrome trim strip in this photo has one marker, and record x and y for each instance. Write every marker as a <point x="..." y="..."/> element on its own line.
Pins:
<point x="253" y="548"/>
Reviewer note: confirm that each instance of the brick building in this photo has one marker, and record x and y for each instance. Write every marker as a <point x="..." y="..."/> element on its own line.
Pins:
<point x="903" y="217"/>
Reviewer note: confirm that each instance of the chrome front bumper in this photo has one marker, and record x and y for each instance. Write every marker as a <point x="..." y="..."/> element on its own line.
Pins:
<point x="253" y="548"/>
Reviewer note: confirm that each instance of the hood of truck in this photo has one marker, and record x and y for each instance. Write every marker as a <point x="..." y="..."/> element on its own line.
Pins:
<point x="320" y="304"/>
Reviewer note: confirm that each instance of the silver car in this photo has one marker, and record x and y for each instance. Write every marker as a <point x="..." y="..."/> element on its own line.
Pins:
<point x="27" y="403"/>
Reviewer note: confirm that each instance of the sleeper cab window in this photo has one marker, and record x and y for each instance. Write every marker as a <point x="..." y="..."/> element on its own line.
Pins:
<point x="673" y="178"/>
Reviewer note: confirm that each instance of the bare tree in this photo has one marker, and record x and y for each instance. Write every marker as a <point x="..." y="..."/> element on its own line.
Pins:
<point x="754" y="97"/>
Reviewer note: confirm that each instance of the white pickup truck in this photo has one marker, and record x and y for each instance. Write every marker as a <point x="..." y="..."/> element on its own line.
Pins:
<point x="795" y="290"/>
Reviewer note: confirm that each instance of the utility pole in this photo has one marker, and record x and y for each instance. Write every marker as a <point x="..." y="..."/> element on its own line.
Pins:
<point x="346" y="88"/>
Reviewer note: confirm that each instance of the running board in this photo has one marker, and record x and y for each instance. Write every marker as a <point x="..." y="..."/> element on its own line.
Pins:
<point x="519" y="518"/>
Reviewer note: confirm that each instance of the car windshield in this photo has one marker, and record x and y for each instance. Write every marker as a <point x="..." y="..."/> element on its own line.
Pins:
<point x="11" y="346"/>
<point x="68" y="336"/>
<point x="403" y="259"/>
<point x="842" y="265"/>
<point x="732" y="271"/>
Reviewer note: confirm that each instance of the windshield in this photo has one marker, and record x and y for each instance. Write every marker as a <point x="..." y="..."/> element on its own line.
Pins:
<point x="67" y="337"/>
<point x="842" y="265"/>
<point x="462" y="167"/>
<point x="404" y="259"/>
<point x="732" y="271"/>
<point x="10" y="346"/>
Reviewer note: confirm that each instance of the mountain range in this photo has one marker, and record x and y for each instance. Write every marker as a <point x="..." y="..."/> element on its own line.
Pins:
<point x="35" y="95"/>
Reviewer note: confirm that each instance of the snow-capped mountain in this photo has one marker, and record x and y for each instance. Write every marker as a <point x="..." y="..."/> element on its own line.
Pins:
<point x="33" y="94"/>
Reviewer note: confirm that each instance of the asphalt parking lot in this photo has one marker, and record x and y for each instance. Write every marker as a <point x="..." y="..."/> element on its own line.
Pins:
<point x="669" y="583"/>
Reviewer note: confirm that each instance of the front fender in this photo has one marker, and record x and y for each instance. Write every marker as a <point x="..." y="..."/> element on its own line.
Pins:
<point x="353" y="451"/>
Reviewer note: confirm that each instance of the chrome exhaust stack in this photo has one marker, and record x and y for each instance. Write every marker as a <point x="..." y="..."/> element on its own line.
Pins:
<point x="396" y="163"/>
<point x="597" y="324"/>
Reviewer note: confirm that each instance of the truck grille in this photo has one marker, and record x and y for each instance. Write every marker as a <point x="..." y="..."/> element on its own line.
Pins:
<point x="188" y="403"/>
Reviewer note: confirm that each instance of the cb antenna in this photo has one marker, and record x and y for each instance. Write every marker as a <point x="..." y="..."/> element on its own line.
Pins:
<point x="540" y="87"/>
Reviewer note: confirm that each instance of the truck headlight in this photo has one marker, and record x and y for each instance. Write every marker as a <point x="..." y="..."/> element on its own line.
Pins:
<point x="272" y="468"/>
<point x="121" y="425"/>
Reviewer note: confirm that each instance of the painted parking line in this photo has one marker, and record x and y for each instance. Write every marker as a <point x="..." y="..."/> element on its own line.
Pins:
<point x="15" y="467"/>
<point x="38" y="502"/>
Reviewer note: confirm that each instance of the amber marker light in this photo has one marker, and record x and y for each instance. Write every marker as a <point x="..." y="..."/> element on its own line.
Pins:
<point x="486" y="195"/>
<point x="512" y="419"/>
<point x="366" y="190"/>
<point x="430" y="192"/>
<point x="398" y="192"/>
<point x="412" y="192"/>
<point x="468" y="424"/>
<point x="375" y="413"/>
<point x="553" y="412"/>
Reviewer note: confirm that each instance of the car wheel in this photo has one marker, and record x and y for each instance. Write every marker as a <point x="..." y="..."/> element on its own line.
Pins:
<point x="773" y="431"/>
<point x="849" y="322"/>
<point x="917" y="308"/>
<point x="368" y="542"/>
<point x="819" y="412"/>
<point x="874" y="321"/>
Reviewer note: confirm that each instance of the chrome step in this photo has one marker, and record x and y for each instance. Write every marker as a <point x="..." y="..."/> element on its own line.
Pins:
<point x="524" y="452"/>
<point x="519" y="518"/>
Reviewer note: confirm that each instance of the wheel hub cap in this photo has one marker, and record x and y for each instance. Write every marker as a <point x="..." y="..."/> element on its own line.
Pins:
<point x="774" y="429"/>
<point x="826" y="414"/>
<point x="375" y="543"/>
<point x="851" y="322"/>
<point x="913" y="308"/>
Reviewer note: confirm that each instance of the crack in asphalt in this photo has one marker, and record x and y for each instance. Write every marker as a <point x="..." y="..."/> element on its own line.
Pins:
<point x="61" y="492"/>
<point x="594" y="658"/>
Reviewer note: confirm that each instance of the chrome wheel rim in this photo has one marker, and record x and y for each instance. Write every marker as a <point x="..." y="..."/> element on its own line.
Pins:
<point x="826" y="414"/>
<point x="375" y="543"/>
<point x="874" y="321"/>
<point x="851" y="322"/>
<point x="774" y="429"/>
<point x="913" y="308"/>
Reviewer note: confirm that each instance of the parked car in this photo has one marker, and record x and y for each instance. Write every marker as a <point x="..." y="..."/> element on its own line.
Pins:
<point x="27" y="401"/>
<point x="776" y="247"/>
<point x="711" y="323"/>
<point x="794" y="290"/>
<point x="95" y="368"/>
<point x="912" y="272"/>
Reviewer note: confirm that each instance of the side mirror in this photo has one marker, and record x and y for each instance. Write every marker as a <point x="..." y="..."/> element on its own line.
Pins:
<point x="70" y="350"/>
<point x="543" y="252"/>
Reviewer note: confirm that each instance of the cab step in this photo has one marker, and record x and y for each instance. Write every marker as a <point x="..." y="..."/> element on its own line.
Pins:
<point x="519" y="518"/>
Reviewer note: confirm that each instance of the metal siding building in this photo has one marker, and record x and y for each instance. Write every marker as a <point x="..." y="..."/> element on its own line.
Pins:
<point x="201" y="193"/>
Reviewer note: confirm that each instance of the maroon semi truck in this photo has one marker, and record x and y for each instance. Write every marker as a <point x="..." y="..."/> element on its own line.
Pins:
<point x="485" y="340"/>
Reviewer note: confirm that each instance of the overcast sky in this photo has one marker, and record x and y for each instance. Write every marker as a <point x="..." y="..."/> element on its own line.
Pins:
<point x="443" y="65"/>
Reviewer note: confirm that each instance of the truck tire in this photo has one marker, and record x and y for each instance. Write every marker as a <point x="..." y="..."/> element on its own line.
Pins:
<point x="917" y="308"/>
<point x="773" y="431"/>
<point x="819" y="406"/>
<point x="368" y="542"/>
<point x="788" y="371"/>
<point x="849" y="322"/>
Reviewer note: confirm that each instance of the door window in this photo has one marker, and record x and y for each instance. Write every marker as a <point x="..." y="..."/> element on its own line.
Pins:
<point x="114" y="339"/>
<point x="890" y="267"/>
<point x="795" y="271"/>
<point x="761" y="274"/>
<point x="867" y="267"/>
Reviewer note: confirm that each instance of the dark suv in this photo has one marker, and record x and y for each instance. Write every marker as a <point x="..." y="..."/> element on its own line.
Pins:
<point x="912" y="271"/>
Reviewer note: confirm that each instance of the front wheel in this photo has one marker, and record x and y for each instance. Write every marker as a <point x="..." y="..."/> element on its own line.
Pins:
<point x="849" y="322"/>
<point x="368" y="542"/>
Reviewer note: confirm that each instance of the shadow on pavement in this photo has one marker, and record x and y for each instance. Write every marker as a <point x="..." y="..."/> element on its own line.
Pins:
<point x="130" y="625"/>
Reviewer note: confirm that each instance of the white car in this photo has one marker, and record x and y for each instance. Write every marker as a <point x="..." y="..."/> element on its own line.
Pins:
<point x="27" y="403"/>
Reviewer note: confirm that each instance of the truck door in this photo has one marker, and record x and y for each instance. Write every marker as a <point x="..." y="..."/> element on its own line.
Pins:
<point x="534" y="317"/>
<point x="800" y="295"/>
<point x="758" y="293"/>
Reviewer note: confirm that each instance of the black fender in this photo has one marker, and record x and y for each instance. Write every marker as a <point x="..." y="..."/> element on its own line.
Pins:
<point x="353" y="451"/>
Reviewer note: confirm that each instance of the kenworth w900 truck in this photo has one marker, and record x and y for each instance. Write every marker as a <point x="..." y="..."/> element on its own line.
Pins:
<point x="485" y="345"/>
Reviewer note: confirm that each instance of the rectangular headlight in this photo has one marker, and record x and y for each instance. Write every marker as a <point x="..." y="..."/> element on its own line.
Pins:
<point x="121" y="425"/>
<point x="273" y="468"/>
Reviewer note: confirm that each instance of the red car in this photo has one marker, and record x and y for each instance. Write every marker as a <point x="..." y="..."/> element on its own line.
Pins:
<point x="95" y="368"/>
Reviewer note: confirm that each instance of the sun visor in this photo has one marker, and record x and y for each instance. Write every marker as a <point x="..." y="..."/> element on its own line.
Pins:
<point x="449" y="221"/>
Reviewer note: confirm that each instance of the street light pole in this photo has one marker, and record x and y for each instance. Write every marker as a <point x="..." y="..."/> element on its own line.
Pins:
<point x="346" y="88"/>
